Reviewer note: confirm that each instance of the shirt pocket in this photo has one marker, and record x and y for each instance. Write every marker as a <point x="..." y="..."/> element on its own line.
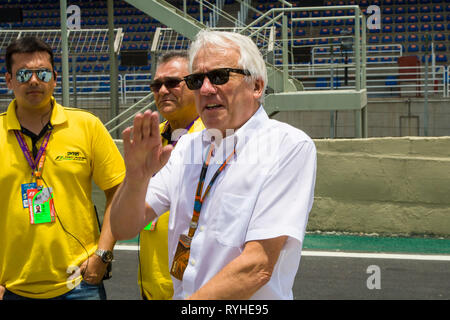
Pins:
<point x="231" y="222"/>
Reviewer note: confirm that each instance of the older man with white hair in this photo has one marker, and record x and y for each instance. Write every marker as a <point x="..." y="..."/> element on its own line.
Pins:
<point x="239" y="192"/>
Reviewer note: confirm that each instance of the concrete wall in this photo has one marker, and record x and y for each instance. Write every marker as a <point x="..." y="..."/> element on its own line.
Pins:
<point x="379" y="185"/>
<point x="383" y="185"/>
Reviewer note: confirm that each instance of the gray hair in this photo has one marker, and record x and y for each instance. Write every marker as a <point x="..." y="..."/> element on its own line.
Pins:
<point x="250" y="56"/>
<point x="174" y="54"/>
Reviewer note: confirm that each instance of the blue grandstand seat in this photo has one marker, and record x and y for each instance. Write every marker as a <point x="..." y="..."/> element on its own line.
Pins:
<point x="441" y="57"/>
<point x="412" y="47"/>
<point x="324" y="31"/>
<point x="441" y="47"/>
<point x="438" y="8"/>
<point x="424" y="57"/>
<point x="400" y="28"/>
<point x="321" y="83"/>
<point x="337" y="31"/>
<point x="439" y="37"/>
<point x="388" y="2"/>
<point x="130" y="29"/>
<point x="425" y="1"/>
<point x="425" y="18"/>
<point x="387" y="10"/>
<point x="364" y="3"/>
<point x="400" y="10"/>
<point x="323" y="41"/>
<point x="387" y="28"/>
<point x="300" y="32"/>
<point x="372" y="59"/>
<point x="325" y="23"/>
<point x="386" y="39"/>
<point x="387" y="20"/>
<point x="413" y="19"/>
<point x="391" y="81"/>
<point x="399" y="19"/>
<point x="413" y="9"/>
<point x="413" y="28"/>
<point x="86" y="68"/>
<point x="425" y="9"/>
<point x="374" y="39"/>
<point x="412" y="1"/>
<point x="399" y="38"/>
<point x="425" y="27"/>
<point x="438" y="18"/>
<point x="438" y="27"/>
<point x="424" y="48"/>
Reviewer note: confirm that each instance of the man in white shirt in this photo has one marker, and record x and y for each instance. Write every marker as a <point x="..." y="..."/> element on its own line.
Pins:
<point x="239" y="192"/>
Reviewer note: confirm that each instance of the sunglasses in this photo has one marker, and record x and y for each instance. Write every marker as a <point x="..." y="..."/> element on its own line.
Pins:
<point x="217" y="76"/>
<point x="169" y="83"/>
<point x="24" y="75"/>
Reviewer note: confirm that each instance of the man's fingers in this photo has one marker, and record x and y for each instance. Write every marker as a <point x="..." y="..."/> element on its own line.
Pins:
<point x="137" y="127"/>
<point x="126" y="137"/>
<point x="165" y="154"/>
<point x="155" y="125"/>
<point x="146" y="124"/>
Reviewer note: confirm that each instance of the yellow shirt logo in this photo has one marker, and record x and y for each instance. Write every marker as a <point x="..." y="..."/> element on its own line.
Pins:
<point x="71" y="156"/>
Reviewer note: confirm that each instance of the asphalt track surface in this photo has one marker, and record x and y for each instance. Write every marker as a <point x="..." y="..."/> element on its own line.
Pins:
<point x="339" y="267"/>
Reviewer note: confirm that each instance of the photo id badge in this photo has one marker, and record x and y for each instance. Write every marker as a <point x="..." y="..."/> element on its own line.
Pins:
<point x="40" y="205"/>
<point x="24" y="188"/>
<point x="181" y="258"/>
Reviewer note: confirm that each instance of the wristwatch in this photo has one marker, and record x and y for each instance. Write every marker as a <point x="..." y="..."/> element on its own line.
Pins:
<point x="106" y="255"/>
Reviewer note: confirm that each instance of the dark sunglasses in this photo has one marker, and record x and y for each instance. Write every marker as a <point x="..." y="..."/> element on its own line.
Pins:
<point x="217" y="76"/>
<point x="169" y="83"/>
<point x="24" y="75"/>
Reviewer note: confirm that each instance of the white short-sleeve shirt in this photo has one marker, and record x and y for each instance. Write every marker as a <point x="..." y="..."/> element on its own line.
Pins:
<point x="265" y="191"/>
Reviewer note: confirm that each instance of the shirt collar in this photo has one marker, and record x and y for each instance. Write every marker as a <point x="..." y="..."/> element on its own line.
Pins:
<point x="58" y="115"/>
<point x="238" y="139"/>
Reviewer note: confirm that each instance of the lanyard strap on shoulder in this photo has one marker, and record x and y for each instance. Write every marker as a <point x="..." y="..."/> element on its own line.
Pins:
<point x="36" y="164"/>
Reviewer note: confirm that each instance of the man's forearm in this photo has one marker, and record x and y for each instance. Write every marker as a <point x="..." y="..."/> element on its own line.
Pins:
<point x="128" y="210"/>
<point x="246" y="274"/>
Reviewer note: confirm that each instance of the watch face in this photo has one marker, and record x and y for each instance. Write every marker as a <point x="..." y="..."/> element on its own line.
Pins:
<point x="107" y="256"/>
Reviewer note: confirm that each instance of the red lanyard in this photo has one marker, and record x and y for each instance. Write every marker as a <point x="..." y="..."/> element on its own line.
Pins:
<point x="38" y="163"/>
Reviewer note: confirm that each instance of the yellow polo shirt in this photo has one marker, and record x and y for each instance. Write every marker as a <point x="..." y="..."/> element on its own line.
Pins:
<point x="35" y="258"/>
<point x="153" y="277"/>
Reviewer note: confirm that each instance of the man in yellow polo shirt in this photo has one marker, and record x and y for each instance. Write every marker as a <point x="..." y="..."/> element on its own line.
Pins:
<point x="175" y="102"/>
<point x="51" y="245"/>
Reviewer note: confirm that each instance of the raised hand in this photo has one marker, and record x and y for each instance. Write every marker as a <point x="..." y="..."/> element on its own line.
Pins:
<point x="143" y="151"/>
